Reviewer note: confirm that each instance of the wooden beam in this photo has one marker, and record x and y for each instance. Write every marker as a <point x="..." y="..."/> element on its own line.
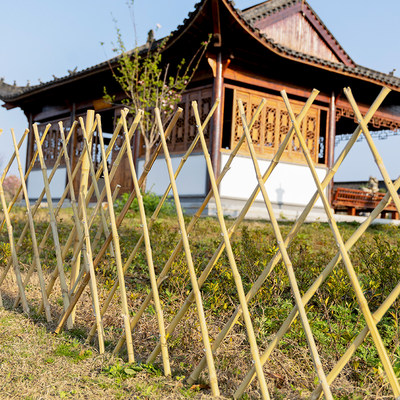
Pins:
<point x="251" y="79"/>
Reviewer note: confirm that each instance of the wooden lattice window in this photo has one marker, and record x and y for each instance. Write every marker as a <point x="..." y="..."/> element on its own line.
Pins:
<point x="52" y="144"/>
<point x="185" y="129"/>
<point x="273" y="124"/>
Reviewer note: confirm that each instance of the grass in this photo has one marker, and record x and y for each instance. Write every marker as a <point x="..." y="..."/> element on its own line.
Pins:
<point x="40" y="365"/>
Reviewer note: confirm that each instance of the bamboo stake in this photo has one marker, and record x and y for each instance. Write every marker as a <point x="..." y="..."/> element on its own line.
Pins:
<point x="71" y="236"/>
<point x="33" y="212"/>
<point x="12" y="158"/>
<point x="312" y="290"/>
<point x="96" y="189"/>
<point x="288" y="264"/>
<point x="60" y="266"/>
<point x="87" y="253"/>
<point x="153" y="218"/>
<point x="276" y="259"/>
<point x="186" y="246"/>
<point x="93" y="286"/>
<point x="232" y="262"/>
<point x="117" y="250"/>
<point x="96" y="209"/>
<point x="347" y="262"/>
<point x="121" y="216"/>
<point x="13" y="251"/>
<point x="86" y="278"/>
<point x="374" y="150"/>
<point x="83" y="188"/>
<point x="189" y="300"/>
<point x="36" y="261"/>
<point x="82" y="272"/>
<point x="149" y="257"/>
<point x="31" y="165"/>
<point x="379" y="313"/>
<point x="114" y="137"/>
<point x="100" y="230"/>
<point x="3" y="176"/>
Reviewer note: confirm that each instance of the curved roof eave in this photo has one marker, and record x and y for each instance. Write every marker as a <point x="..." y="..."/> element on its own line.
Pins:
<point x="357" y="72"/>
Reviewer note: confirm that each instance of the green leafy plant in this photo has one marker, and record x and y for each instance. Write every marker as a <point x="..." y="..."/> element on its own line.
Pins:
<point x="147" y="82"/>
<point x="150" y="202"/>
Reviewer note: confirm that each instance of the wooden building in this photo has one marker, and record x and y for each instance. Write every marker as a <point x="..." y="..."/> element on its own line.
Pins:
<point x="255" y="53"/>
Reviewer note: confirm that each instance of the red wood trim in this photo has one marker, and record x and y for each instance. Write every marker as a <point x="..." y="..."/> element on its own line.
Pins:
<point x="363" y="108"/>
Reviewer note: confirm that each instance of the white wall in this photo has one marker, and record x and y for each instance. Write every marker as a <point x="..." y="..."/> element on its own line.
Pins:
<point x="36" y="185"/>
<point x="290" y="184"/>
<point x="190" y="182"/>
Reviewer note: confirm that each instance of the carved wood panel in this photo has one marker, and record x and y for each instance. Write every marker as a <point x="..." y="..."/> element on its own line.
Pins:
<point x="273" y="124"/>
<point x="185" y="129"/>
<point x="52" y="144"/>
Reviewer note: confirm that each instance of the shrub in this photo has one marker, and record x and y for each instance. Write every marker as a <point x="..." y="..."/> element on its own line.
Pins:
<point x="150" y="201"/>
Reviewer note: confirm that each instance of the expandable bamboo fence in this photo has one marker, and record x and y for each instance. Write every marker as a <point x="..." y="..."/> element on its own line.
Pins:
<point x="84" y="262"/>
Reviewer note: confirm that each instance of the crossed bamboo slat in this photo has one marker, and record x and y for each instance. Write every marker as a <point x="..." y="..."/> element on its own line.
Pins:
<point x="79" y="241"/>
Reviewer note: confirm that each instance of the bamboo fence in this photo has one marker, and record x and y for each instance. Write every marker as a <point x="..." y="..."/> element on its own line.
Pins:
<point x="74" y="272"/>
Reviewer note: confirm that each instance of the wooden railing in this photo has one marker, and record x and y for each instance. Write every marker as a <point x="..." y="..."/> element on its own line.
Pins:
<point x="355" y="201"/>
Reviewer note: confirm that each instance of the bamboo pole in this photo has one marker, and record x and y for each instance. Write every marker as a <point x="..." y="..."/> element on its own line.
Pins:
<point x="379" y="313"/>
<point x="71" y="236"/>
<point x="276" y="259"/>
<point x="100" y="230"/>
<point x="60" y="266"/>
<point x="189" y="300"/>
<point x="82" y="272"/>
<point x="12" y="158"/>
<point x="232" y="262"/>
<point x="90" y="192"/>
<point x="374" y="150"/>
<point x="87" y="253"/>
<point x="288" y="264"/>
<point x="96" y="190"/>
<point x="33" y="211"/>
<point x="86" y="278"/>
<point x="117" y="250"/>
<point x="83" y="188"/>
<point x="153" y="218"/>
<point x="112" y="173"/>
<point x="31" y="165"/>
<point x="93" y="286"/>
<point x="347" y="262"/>
<point x="192" y="273"/>
<point x="149" y="257"/>
<point x="13" y="251"/>
<point x="3" y="176"/>
<point x="312" y="290"/>
<point x="76" y="294"/>
<point x="36" y="257"/>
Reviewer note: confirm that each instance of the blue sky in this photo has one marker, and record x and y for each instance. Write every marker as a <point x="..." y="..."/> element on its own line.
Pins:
<point x="43" y="38"/>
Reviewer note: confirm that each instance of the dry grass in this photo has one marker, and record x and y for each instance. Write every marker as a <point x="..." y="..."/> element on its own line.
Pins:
<point x="38" y="365"/>
<point x="35" y="364"/>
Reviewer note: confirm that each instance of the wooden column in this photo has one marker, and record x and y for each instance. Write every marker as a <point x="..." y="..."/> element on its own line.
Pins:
<point x="29" y="144"/>
<point x="331" y="140"/>
<point x="216" y="126"/>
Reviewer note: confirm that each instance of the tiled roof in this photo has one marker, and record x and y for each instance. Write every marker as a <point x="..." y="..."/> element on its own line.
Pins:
<point x="262" y="10"/>
<point x="248" y="17"/>
<point x="11" y="92"/>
